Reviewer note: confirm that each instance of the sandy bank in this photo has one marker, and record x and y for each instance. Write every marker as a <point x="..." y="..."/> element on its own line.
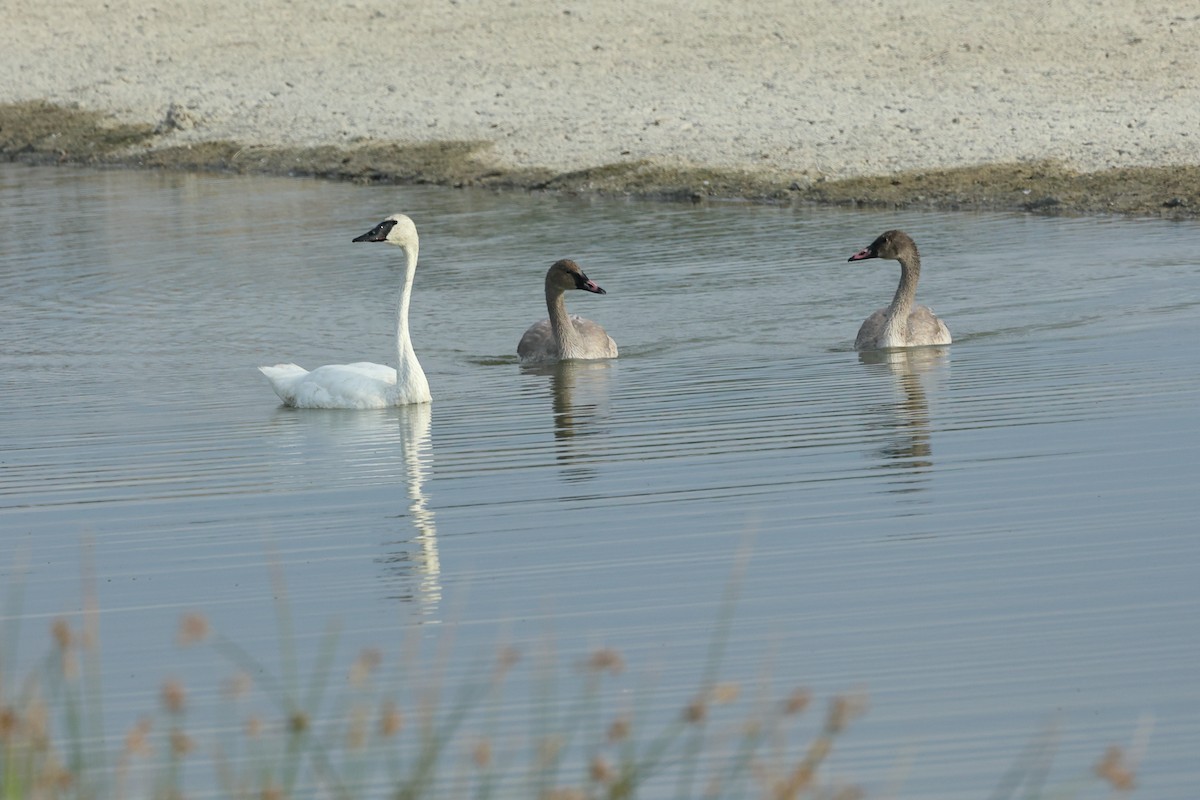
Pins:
<point x="1092" y="105"/>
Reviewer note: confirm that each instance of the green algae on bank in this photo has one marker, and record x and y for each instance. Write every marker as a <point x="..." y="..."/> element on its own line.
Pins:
<point x="40" y="132"/>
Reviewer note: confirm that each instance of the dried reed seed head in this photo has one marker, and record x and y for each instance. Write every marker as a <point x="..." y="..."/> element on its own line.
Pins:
<point x="181" y="743"/>
<point x="237" y="686"/>
<point x="137" y="741"/>
<point x="174" y="697"/>
<point x="272" y="793"/>
<point x="254" y="727"/>
<point x="619" y="730"/>
<point x="481" y="754"/>
<point x="9" y="722"/>
<point x="1112" y="768"/>
<point x="390" y="719"/>
<point x="600" y="770"/>
<point x="367" y="662"/>
<point x="193" y="629"/>
<point x="607" y="660"/>
<point x="696" y="711"/>
<point x="60" y="629"/>
<point x="843" y="709"/>
<point x="298" y="722"/>
<point x="725" y="693"/>
<point x="797" y="701"/>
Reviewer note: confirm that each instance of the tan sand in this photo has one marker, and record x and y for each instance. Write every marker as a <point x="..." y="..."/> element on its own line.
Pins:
<point x="798" y="92"/>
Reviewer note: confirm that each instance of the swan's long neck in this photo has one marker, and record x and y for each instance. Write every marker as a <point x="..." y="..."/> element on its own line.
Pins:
<point x="906" y="294"/>
<point x="560" y="322"/>
<point x="404" y="349"/>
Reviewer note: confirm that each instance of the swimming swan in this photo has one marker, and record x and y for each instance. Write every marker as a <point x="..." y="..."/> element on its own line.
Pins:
<point x="901" y="324"/>
<point x="363" y="384"/>
<point x="563" y="337"/>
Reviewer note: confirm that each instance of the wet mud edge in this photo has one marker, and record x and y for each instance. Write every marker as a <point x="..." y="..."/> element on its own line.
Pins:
<point x="43" y="133"/>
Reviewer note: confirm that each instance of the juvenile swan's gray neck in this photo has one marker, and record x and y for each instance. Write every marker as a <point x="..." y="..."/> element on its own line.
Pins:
<point x="896" y="326"/>
<point x="565" y="334"/>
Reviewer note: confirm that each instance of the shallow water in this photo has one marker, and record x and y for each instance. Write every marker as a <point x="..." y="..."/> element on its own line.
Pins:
<point x="990" y="537"/>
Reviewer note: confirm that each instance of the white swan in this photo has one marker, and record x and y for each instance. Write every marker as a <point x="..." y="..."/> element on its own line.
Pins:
<point x="901" y="324"/>
<point x="563" y="337"/>
<point x="363" y="384"/>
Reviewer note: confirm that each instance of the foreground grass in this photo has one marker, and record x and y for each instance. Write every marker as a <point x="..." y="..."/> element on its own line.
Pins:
<point x="380" y="729"/>
<point x="380" y="737"/>
<point x="391" y="727"/>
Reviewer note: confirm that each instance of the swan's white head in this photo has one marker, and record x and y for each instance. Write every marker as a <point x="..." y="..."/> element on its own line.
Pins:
<point x="397" y="229"/>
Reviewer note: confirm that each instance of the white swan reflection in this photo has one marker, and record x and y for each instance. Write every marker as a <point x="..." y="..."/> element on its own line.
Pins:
<point x="373" y="451"/>
<point x="417" y="448"/>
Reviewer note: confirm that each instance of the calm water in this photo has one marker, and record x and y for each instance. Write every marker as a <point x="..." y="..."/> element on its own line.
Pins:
<point x="991" y="538"/>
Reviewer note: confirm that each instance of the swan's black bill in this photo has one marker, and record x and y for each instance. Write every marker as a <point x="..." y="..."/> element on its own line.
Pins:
<point x="379" y="233"/>
<point x="866" y="252"/>
<point x="587" y="284"/>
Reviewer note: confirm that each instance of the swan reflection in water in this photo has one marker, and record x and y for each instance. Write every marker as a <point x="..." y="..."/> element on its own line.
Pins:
<point x="580" y="399"/>
<point x="375" y="452"/>
<point x="417" y="448"/>
<point x="904" y="423"/>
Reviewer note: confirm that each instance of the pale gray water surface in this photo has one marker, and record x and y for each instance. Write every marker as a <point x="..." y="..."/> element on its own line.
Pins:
<point x="990" y="537"/>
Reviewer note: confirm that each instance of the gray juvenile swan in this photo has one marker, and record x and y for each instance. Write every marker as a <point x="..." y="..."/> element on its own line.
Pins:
<point x="561" y="336"/>
<point x="901" y="324"/>
<point x="363" y="384"/>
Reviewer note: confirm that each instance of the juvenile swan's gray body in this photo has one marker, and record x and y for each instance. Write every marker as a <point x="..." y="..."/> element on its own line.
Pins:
<point x="363" y="384"/>
<point x="901" y="324"/>
<point x="562" y="336"/>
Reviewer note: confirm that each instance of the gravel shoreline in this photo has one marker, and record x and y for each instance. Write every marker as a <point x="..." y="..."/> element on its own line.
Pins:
<point x="1091" y="106"/>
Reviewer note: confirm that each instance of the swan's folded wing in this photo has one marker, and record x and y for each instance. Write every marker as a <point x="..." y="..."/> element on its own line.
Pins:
<point x="283" y="378"/>
<point x="538" y="343"/>
<point x="924" y="328"/>
<point x="378" y="372"/>
<point x="596" y="342"/>
<point x="283" y="371"/>
<point x="361" y="385"/>
<point x="871" y="330"/>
